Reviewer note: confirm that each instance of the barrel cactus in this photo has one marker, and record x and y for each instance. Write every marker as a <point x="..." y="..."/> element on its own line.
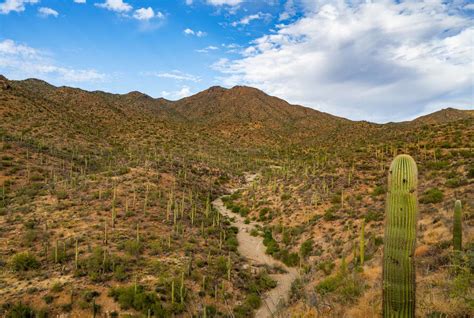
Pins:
<point x="457" y="226"/>
<point x="400" y="239"/>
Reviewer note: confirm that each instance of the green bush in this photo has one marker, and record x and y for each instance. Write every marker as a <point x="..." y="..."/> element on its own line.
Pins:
<point x="437" y="165"/>
<point x="24" y="262"/>
<point x="455" y="182"/>
<point x="137" y="298"/>
<point x="270" y="243"/>
<point x="345" y="286"/>
<point x="20" y="310"/>
<point x="434" y="195"/>
<point x="262" y="282"/>
<point x="329" y="284"/>
<point x="232" y="243"/>
<point x="306" y="248"/>
<point x="470" y="173"/>
<point x="378" y="191"/>
<point x="326" y="267"/>
<point x="329" y="214"/>
<point x="133" y="247"/>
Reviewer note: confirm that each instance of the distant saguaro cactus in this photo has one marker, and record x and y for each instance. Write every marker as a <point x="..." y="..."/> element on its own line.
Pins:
<point x="400" y="239"/>
<point x="457" y="226"/>
<point x="362" y="243"/>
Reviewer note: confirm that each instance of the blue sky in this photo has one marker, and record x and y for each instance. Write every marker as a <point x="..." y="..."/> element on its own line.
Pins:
<point x="378" y="61"/>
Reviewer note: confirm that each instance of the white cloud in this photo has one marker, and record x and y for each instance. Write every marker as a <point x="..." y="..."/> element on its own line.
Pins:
<point x="15" y="5"/>
<point x="189" y="2"/>
<point x="199" y="34"/>
<point x="372" y="60"/>
<point x="175" y="74"/>
<point x="20" y="61"/>
<point x="247" y="19"/>
<point x="115" y="5"/>
<point x="208" y="49"/>
<point x="224" y="2"/>
<point x="46" y="12"/>
<point x="183" y="92"/>
<point x="145" y="14"/>
<point x="469" y="6"/>
<point x="80" y="1"/>
<point x="289" y="11"/>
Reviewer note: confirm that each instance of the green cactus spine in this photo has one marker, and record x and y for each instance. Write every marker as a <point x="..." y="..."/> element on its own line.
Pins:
<point x="457" y="226"/>
<point x="400" y="239"/>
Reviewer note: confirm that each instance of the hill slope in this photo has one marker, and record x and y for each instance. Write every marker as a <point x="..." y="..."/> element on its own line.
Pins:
<point x="129" y="178"/>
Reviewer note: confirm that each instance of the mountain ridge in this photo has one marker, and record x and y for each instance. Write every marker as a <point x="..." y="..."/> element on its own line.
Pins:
<point x="188" y="107"/>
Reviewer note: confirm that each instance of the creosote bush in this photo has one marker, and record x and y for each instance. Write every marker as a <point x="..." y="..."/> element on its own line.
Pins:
<point x="24" y="261"/>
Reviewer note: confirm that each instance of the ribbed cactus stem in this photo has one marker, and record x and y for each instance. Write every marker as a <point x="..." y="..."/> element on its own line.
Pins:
<point x="400" y="239"/>
<point x="208" y="205"/>
<point x="362" y="243"/>
<point x="342" y="198"/>
<point x="172" y="291"/>
<point x="457" y="226"/>
<point x="229" y="267"/>
<point x="138" y="232"/>
<point x="114" y="214"/>
<point x="105" y="233"/>
<point x="56" y="251"/>
<point x="76" y="255"/>
<point x="181" y="289"/>
<point x="145" y="203"/>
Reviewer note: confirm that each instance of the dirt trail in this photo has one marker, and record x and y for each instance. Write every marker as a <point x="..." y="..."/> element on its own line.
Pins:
<point x="252" y="248"/>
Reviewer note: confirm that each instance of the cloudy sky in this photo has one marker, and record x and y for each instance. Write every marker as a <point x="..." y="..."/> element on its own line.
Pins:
<point x="373" y="60"/>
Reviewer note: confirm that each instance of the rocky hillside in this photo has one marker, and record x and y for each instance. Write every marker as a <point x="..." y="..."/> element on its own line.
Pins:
<point x="105" y="203"/>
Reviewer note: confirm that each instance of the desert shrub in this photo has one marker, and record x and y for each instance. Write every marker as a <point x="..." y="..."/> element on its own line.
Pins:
<point x="379" y="190"/>
<point x="437" y="165"/>
<point x="297" y="289"/>
<point x="232" y="243"/>
<point x="221" y="265"/>
<point x="470" y="173"/>
<point x="261" y="283"/>
<point x="326" y="267"/>
<point x="455" y="182"/>
<point x="24" y="262"/>
<point x="133" y="247"/>
<point x="434" y="195"/>
<point x="289" y="259"/>
<point x="373" y="216"/>
<point x="329" y="284"/>
<point x="246" y="309"/>
<point x="20" y="310"/>
<point x="244" y="211"/>
<point x="330" y="215"/>
<point x="270" y="243"/>
<point x="306" y="248"/>
<point x="48" y="299"/>
<point x="343" y="285"/>
<point x="137" y="298"/>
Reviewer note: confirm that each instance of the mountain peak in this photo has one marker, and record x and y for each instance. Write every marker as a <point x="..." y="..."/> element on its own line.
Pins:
<point x="444" y="115"/>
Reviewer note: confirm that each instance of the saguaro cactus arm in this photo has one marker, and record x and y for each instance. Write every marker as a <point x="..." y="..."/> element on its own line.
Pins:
<point x="400" y="239"/>
<point x="457" y="226"/>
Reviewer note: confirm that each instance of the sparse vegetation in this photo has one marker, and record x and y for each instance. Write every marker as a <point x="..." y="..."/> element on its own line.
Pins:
<point x="80" y="170"/>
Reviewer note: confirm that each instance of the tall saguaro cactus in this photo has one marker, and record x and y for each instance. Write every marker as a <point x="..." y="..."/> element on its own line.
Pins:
<point x="457" y="226"/>
<point x="400" y="239"/>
